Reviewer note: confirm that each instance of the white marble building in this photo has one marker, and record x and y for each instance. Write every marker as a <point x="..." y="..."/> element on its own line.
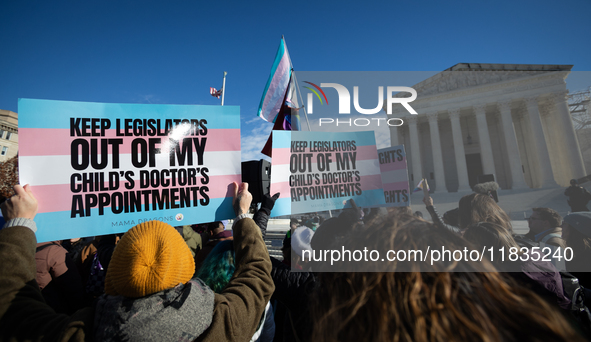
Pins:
<point x="8" y="135"/>
<point x="510" y="120"/>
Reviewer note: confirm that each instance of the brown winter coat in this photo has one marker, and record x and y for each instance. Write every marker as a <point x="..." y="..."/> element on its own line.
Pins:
<point x="24" y="316"/>
<point x="51" y="262"/>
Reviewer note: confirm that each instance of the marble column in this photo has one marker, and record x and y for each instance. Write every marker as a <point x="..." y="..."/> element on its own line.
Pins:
<point x="437" y="153"/>
<point x="575" y="158"/>
<point x="488" y="164"/>
<point x="462" y="169"/>
<point x="545" y="166"/>
<point x="394" y="140"/>
<point x="415" y="149"/>
<point x="512" y="146"/>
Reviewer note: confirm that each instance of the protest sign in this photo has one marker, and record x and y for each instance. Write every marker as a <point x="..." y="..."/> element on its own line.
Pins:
<point x="101" y="168"/>
<point x="315" y="171"/>
<point x="395" y="176"/>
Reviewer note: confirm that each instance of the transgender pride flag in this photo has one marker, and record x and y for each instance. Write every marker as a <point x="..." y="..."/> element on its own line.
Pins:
<point x="277" y="84"/>
<point x="145" y="175"/>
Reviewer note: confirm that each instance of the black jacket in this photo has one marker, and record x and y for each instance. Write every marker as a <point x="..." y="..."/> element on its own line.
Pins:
<point x="261" y="218"/>
<point x="292" y="291"/>
<point x="438" y="222"/>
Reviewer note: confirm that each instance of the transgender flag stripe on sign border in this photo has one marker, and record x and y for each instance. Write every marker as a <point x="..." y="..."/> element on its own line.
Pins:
<point x="100" y="168"/>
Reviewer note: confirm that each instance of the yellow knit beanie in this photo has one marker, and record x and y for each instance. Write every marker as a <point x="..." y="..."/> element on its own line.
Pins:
<point x="149" y="258"/>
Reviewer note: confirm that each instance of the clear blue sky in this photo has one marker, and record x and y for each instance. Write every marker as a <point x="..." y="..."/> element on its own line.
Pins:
<point x="172" y="52"/>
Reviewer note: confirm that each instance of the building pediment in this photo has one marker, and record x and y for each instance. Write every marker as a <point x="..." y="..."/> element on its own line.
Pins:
<point x="470" y="75"/>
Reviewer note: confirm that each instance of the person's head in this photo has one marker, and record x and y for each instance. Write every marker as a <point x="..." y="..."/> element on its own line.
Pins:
<point x="327" y="233"/>
<point x="219" y="266"/>
<point x="475" y="208"/>
<point x="216" y="227"/>
<point x="141" y="262"/>
<point x="418" y="214"/>
<point x="576" y="232"/>
<point x="486" y="234"/>
<point x="286" y="250"/>
<point x="293" y="224"/>
<point x="467" y="304"/>
<point x="451" y="217"/>
<point x="573" y="182"/>
<point x="300" y="245"/>
<point x="543" y="219"/>
<point x="400" y="210"/>
<point x="577" y="227"/>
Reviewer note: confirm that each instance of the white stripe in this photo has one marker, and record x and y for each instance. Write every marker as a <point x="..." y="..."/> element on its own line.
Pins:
<point x="395" y="176"/>
<point x="57" y="169"/>
<point x="281" y="173"/>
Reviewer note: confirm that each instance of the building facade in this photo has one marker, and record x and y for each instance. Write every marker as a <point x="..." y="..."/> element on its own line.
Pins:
<point x="508" y="120"/>
<point x="8" y="135"/>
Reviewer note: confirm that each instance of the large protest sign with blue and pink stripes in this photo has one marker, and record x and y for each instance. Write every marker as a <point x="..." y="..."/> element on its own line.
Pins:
<point x="316" y="171"/>
<point x="395" y="176"/>
<point x="101" y="168"/>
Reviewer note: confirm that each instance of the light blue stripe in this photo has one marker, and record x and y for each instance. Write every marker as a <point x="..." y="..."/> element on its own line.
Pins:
<point x="59" y="225"/>
<point x="278" y="57"/>
<point x="282" y="207"/>
<point x="366" y="138"/>
<point x="282" y="139"/>
<point x="369" y="198"/>
<point x="56" y="114"/>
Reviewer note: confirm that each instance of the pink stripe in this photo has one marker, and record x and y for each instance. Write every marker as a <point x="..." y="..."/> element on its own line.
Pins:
<point x="281" y="156"/>
<point x="398" y="165"/>
<point x="368" y="152"/>
<point x="59" y="197"/>
<point x="371" y="182"/>
<point x="55" y="142"/>
<point x="396" y="186"/>
<point x="280" y="72"/>
<point x="283" y="188"/>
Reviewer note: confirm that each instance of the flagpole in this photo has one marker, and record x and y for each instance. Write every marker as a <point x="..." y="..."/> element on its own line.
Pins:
<point x="301" y="100"/>
<point x="224" y="87"/>
<point x="296" y="82"/>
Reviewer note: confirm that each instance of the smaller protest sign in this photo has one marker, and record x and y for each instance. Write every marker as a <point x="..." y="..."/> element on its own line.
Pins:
<point x="394" y="176"/>
<point x="316" y="171"/>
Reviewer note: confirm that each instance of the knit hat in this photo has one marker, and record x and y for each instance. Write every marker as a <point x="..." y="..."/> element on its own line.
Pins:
<point x="581" y="221"/>
<point x="300" y="240"/>
<point x="149" y="258"/>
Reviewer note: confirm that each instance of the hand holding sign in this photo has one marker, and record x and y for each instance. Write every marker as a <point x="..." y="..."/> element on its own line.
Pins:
<point x="21" y="205"/>
<point x="426" y="197"/>
<point x="425" y="188"/>
<point x="242" y="198"/>
<point x="269" y="202"/>
<point x="428" y="201"/>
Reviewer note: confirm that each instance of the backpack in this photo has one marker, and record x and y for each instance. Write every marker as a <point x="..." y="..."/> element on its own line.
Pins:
<point x="586" y="196"/>
<point x="96" y="281"/>
<point x="576" y="293"/>
<point x="570" y="285"/>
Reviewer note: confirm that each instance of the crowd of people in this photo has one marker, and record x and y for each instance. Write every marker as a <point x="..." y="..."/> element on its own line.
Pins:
<point x="217" y="282"/>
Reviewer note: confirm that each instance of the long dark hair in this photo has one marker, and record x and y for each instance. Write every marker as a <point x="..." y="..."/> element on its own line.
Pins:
<point x="429" y="305"/>
<point x="475" y="208"/>
<point x="492" y="235"/>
